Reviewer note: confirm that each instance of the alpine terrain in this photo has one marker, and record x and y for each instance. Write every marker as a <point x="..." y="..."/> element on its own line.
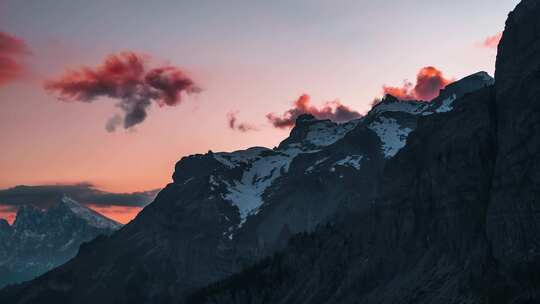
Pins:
<point x="416" y="202"/>
<point x="41" y="240"/>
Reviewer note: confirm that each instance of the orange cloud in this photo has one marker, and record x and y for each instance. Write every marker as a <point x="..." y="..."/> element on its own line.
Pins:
<point x="429" y="82"/>
<point x="11" y="50"/>
<point x="126" y="78"/>
<point x="121" y="214"/>
<point x="492" y="42"/>
<point x="333" y="110"/>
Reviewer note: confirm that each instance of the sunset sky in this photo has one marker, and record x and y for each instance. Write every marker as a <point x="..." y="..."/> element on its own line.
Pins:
<point x="248" y="58"/>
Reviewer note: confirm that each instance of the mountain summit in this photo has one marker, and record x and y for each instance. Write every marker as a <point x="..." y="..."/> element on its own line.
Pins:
<point x="41" y="240"/>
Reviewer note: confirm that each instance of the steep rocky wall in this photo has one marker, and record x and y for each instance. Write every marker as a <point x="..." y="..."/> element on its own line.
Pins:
<point x="457" y="219"/>
<point x="514" y="214"/>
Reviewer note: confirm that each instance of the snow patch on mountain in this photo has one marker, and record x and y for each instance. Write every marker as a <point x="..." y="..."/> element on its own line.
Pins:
<point x="353" y="161"/>
<point x="411" y="107"/>
<point x="317" y="163"/>
<point x="326" y="132"/>
<point x="392" y="135"/>
<point x="446" y="104"/>
<point x="246" y="193"/>
<point x="236" y="158"/>
<point x="90" y="216"/>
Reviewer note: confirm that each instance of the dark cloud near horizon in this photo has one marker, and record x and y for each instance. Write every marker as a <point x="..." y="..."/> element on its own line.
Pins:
<point x="45" y="196"/>
<point x="333" y="110"/>
<point x="12" y="49"/>
<point x="429" y="82"/>
<point x="127" y="79"/>
<point x="232" y="122"/>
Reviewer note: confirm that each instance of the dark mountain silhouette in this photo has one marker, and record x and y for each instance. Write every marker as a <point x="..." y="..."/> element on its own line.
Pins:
<point x="456" y="218"/>
<point x="414" y="203"/>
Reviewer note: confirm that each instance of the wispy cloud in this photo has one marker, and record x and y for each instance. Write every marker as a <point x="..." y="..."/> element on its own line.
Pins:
<point x="234" y="124"/>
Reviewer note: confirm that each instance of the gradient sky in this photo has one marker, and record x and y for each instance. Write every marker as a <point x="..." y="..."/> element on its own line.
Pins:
<point x="254" y="57"/>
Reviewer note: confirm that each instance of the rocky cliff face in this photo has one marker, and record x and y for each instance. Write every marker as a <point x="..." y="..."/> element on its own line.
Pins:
<point x="513" y="216"/>
<point x="41" y="240"/>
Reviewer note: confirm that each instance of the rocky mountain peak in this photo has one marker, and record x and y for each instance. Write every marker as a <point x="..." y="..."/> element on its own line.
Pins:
<point x="28" y="217"/>
<point x="310" y="133"/>
<point x="31" y="218"/>
<point x="466" y="85"/>
<point x="91" y="217"/>
<point x="40" y="240"/>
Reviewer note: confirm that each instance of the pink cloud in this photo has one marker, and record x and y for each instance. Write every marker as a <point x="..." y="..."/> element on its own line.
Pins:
<point x="12" y="49"/>
<point x="429" y="82"/>
<point x="492" y="42"/>
<point x="125" y="77"/>
<point x="333" y="110"/>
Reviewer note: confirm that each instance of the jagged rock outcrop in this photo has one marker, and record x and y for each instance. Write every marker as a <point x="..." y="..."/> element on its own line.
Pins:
<point x="41" y="240"/>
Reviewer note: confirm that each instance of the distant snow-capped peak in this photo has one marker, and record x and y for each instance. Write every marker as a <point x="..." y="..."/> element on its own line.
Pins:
<point x="92" y="217"/>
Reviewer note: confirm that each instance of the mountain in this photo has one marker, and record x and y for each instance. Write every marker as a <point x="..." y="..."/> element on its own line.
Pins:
<point x="413" y="203"/>
<point x="456" y="218"/>
<point x="41" y="240"/>
<point x="226" y="211"/>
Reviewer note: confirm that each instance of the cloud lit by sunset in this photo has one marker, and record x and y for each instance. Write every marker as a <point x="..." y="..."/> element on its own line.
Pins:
<point x="492" y="42"/>
<point x="126" y="78"/>
<point x="429" y="82"/>
<point x="333" y="110"/>
<point x="12" y="50"/>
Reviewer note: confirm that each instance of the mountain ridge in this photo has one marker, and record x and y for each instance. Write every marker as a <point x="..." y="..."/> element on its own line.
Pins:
<point x="40" y="240"/>
<point x="227" y="210"/>
<point x="460" y="224"/>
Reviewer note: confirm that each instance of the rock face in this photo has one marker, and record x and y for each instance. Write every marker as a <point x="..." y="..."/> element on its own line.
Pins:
<point x="225" y="211"/>
<point x="514" y="215"/>
<point x="459" y="225"/>
<point x="41" y="240"/>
